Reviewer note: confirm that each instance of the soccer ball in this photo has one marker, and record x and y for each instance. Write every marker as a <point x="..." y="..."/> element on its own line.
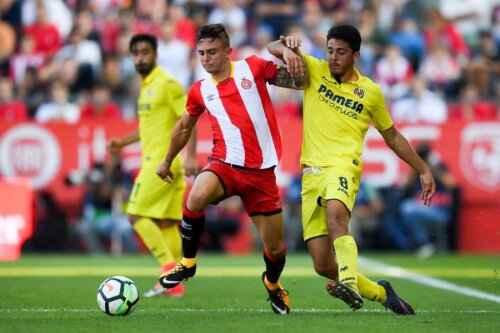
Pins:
<point x="117" y="296"/>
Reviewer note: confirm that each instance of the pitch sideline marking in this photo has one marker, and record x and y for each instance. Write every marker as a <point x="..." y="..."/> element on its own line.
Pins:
<point x="399" y="272"/>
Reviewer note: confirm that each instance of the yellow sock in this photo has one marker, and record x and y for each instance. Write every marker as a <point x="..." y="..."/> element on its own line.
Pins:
<point x="188" y="262"/>
<point x="152" y="237"/>
<point x="172" y="237"/>
<point x="347" y="258"/>
<point x="371" y="290"/>
<point x="269" y="285"/>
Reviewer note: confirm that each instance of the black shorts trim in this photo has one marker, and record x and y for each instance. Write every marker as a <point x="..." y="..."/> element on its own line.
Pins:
<point x="266" y="213"/>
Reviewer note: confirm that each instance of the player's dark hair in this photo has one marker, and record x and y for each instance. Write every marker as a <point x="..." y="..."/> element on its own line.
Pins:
<point x="347" y="33"/>
<point x="148" y="38"/>
<point x="213" y="31"/>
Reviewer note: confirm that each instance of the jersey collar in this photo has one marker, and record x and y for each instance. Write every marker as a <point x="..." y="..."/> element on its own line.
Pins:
<point x="152" y="75"/>
<point x="358" y="78"/>
<point x="214" y="81"/>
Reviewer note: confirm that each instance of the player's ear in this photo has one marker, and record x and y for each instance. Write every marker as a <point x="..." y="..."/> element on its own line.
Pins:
<point x="229" y="50"/>
<point x="355" y="56"/>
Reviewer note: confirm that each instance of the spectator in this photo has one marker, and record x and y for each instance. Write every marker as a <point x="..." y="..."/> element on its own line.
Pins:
<point x="233" y="17"/>
<point x="10" y="109"/>
<point x="86" y="25"/>
<point x="471" y="107"/>
<point x="59" y="108"/>
<point x="394" y="73"/>
<point x="58" y="14"/>
<point x="483" y="70"/>
<point x="26" y="57"/>
<point x="222" y="221"/>
<point x="276" y="14"/>
<point x="420" y="105"/>
<point x="469" y="16"/>
<point x="441" y="71"/>
<point x="29" y="91"/>
<point x="45" y="34"/>
<point x="495" y="22"/>
<point x="100" y="105"/>
<point x="10" y="12"/>
<point x="427" y="226"/>
<point x="410" y="40"/>
<point x="86" y="53"/>
<point x="178" y="66"/>
<point x="365" y="216"/>
<point x="7" y="45"/>
<point x="442" y="32"/>
<point x="50" y="232"/>
<point x="292" y="213"/>
<point x="106" y="188"/>
<point x="185" y="27"/>
<point x="108" y="31"/>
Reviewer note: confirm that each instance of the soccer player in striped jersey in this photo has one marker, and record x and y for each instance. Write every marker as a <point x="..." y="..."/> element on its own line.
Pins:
<point x="247" y="148"/>
<point x="154" y="207"/>
<point x="339" y="103"/>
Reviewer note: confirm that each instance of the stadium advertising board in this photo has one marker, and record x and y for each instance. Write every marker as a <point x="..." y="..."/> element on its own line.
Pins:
<point x="47" y="154"/>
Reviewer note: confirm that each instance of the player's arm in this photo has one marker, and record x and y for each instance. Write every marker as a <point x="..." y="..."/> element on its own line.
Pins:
<point x="296" y="73"/>
<point x="397" y="142"/>
<point x="116" y="144"/>
<point x="180" y="136"/>
<point x="191" y="163"/>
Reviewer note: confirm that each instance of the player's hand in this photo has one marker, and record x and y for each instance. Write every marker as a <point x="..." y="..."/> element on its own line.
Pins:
<point x="163" y="171"/>
<point x="428" y="187"/>
<point x="113" y="146"/>
<point x="190" y="166"/>
<point x="291" y="55"/>
<point x="292" y="42"/>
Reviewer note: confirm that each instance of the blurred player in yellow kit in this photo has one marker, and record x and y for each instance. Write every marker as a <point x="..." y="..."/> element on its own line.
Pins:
<point x="155" y="207"/>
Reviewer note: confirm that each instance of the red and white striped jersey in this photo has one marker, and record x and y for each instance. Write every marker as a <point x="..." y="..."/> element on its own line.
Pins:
<point x="243" y="121"/>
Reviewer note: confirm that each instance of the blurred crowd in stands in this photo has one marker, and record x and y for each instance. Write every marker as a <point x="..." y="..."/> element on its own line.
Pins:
<point x="68" y="60"/>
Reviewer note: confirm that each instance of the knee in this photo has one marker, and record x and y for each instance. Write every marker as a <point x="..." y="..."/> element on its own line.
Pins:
<point x="276" y="250"/>
<point x="196" y="202"/>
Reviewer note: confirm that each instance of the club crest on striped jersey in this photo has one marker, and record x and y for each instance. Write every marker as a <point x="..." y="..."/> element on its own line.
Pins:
<point x="246" y="83"/>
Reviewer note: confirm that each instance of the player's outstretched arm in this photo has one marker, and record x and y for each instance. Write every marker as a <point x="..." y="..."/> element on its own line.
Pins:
<point x="115" y="145"/>
<point x="398" y="143"/>
<point x="180" y="137"/>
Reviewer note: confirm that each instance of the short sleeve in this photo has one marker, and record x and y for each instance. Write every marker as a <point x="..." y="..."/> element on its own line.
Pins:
<point x="178" y="97"/>
<point x="380" y="114"/>
<point x="194" y="104"/>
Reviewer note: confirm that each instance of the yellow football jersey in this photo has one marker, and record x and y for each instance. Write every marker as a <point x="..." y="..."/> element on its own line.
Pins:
<point x="161" y="103"/>
<point x="337" y="116"/>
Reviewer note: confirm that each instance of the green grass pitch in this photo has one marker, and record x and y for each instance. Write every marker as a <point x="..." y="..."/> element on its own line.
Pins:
<point x="47" y="293"/>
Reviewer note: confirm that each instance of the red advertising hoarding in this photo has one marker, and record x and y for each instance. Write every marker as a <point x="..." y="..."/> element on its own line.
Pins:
<point x="46" y="154"/>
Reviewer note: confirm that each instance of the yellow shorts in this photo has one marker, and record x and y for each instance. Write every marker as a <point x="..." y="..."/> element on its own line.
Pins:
<point x="320" y="184"/>
<point x="154" y="198"/>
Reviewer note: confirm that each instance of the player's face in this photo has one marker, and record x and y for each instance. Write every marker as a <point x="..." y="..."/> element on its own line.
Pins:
<point x="340" y="56"/>
<point x="144" y="57"/>
<point x="214" y="55"/>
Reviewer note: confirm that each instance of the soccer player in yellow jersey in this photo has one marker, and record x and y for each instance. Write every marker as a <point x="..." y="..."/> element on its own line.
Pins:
<point x="339" y="103"/>
<point x="155" y="207"/>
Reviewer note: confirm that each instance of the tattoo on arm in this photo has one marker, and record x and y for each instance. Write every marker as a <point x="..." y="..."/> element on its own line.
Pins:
<point x="284" y="79"/>
<point x="298" y="80"/>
